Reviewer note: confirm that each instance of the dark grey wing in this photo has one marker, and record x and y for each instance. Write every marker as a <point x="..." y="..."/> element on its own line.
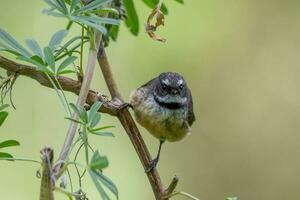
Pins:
<point x="191" y="117"/>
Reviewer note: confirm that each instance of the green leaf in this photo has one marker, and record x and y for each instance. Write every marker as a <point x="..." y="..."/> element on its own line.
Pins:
<point x="52" y="13"/>
<point x="9" y="143"/>
<point x="95" y="120"/>
<point x="2" y="107"/>
<point x="114" y="31"/>
<point x="73" y="5"/>
<point x="94" y="109"/>
<point x="3" y="116"/>
<point x="101" y="20"/>
<point x="73" y="120"/>
<point x="98" y="161"/>
<point x="29" y="60"/>
<point x="66" y="63"/>
<point x="57" y="39"/>
<point x="92" y="5"/>
<point x="108" y="183"/>
<point x="153" y="3"/>
<point x="102" y="128"/>
<point x="34" y="47"/>
<point x="98" y="27"/>
<point x="38" y="59"/>
<point x="101" y="191"/>
<point x="9" y="49"/>
<point x="83" y="115"/>
<point x="8" y="39"/>
<point x="66" y="72"/>
<point x="55" y="5"/>
<point x="75" y="109"/>
<point x="5" y="155"/>
<point x="49" y="57"/>
<point x="179" y="1"/>
<point x="63" y="6"/>
<point x="106" y="134"/>
<point x="132" y="20"/>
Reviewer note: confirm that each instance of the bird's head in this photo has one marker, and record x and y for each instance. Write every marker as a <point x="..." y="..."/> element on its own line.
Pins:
<point x="170" y="90"/>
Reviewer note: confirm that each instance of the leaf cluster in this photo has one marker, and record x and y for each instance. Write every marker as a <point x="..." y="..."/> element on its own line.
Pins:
<point x="6" y="143"/>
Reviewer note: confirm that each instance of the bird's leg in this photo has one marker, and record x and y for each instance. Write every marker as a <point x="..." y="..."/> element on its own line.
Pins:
<point x="154" y="162"/>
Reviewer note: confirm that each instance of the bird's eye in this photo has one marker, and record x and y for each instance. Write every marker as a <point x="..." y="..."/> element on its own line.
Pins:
<point x="181" y="87"/>
<point x="164" y="86"/>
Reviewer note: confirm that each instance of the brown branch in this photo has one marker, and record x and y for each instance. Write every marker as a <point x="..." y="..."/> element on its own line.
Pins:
<point x="130" y="126"/>
<point x="109" y="107"/>
<point x="67" y="84"/>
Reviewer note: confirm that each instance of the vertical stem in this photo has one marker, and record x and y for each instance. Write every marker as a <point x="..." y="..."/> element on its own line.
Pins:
<point x="92" y="57"/>
<point x="81" y="51"/>
<point x="107" y="73"/>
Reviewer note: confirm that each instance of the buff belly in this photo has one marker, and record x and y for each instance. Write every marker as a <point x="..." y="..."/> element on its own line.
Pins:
<point x="162" y="123"/>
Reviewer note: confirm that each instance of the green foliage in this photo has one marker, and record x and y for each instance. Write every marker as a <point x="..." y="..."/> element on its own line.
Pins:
<point x="90" y="119"/>
<point x="7" y="143"/>
<point x="82" y="14"/>
<point x="96" y="165"/>
<point x="44" y="60"/>
<point x="231" y="198"/>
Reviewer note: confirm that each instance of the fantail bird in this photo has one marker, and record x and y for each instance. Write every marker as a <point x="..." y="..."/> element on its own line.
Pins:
<point x="164" y="106"/>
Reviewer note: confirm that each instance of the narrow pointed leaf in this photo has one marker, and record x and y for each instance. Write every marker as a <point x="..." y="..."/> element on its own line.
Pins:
<point x="101" y="191"/>
<point x="105" y="134"/>
<point x="9" y="143"/>
<point x="52" y="13"/>
<point x="102" y="128"/>
<point x="92" y="5"/>
<point x="132" y="21"/>
<point x="73" y="5"/>
<point x="95" y="120"/>
<point x="34" y="47"/>
<point x="57" y="39"/>
<point x="66" y="72"/>
<point x="66" y="63"/>
<point x="94" y="109"/>
<point x="75" y="109"/>
<point x="54" y="4"/>
<point x="153" y="3"/>
<point x="98" y="27"/>
<point x="49" y="57"/>
<point x="32" y="61"/>
<point x="5" y="155"/>
<point x="3" y="116"/>
<point x="73" y="120"/>
<point x="108" y="183"/>
<point x="100" y="20"/>
<point x="63" y="6"/>
<point x="8" y="39"/>
<point x="179" y="1"/>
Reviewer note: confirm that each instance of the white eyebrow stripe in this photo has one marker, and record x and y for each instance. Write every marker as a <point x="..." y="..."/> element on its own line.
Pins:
<point x="166" y="81"/>
<point x="180" y="82"/>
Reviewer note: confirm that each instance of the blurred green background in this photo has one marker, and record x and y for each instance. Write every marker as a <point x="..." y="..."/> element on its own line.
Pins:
<point x="241" y="60"/>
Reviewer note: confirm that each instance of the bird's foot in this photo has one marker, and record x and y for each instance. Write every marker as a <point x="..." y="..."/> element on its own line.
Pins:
<point x="152" y="165"/>
<point x="124" y="105"/>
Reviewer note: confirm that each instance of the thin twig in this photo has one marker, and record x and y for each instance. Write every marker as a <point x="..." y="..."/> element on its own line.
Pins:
<point x="172" y="186"/>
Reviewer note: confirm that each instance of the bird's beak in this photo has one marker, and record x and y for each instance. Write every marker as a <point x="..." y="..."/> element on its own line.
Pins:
<point x="174" y="92"/>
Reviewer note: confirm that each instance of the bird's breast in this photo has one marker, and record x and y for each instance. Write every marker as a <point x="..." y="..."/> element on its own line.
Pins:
<point x="161" y="122"/>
